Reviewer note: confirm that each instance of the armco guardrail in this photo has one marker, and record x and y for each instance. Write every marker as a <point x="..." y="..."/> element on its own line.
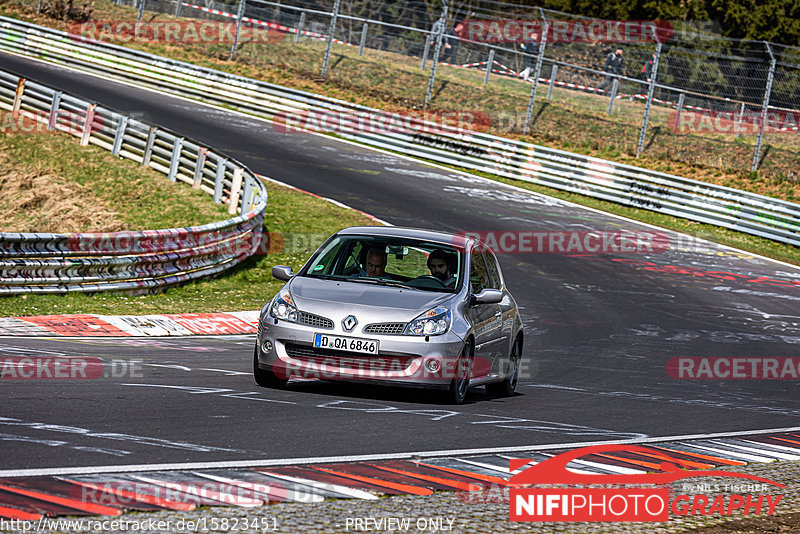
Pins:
<point x="138" y="261"/>
<point x="664" y="193"/>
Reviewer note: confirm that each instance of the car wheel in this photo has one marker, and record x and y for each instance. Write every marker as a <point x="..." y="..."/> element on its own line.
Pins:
<point x="509" y="383"/>
<point x="265" y="377"/>
<point x="457" y="392"/>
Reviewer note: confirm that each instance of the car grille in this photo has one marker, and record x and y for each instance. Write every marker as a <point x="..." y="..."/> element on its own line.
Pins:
<point x="347" y="360"/>
<point x="314" y="320"/>
<point x="389" y="329"/>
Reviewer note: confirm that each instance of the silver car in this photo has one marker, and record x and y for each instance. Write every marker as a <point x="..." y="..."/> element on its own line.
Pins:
<point x="394" y="306"/>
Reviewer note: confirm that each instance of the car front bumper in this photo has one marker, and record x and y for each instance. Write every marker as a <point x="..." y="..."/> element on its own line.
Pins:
<point x="414" y="361"/>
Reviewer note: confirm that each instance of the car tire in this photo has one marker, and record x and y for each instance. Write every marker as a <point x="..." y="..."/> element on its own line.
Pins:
<point x="459" y="385"/>
<point x="509" y="384"/>
<point x="265" y="377"/>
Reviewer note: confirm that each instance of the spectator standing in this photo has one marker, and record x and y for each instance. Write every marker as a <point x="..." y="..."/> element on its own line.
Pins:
<point x="647" y="69"/>
<point x="613" y="66"/>
<point x="531" y="48"/>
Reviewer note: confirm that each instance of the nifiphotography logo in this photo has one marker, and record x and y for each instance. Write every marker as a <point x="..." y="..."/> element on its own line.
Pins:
<point x="648" y="501"/>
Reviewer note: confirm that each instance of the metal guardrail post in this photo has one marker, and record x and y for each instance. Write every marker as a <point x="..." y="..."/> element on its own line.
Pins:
<point x="553" y="74"/>
<point x="18" y="97"/>
<point x="681" y="98"/>
<point x="55" y="103"/>
<point x="612" y="95"/>
<point x="542" y="46"/>
<point x="148" y="147"/>
<point x="239" y="15"/>
<point x="38" y="8"/>
<point x="175" y="160"/>
<point x="198" y="167"/>
<point x="649" y="102"/>
<point x="247" y="195"/>
<point x="178" y="5"/>
<point x="364" y="30"/>
<point x="87" y="125"/>
<point x="764" y="107"/>
<point x="119" y="136"/>
<point x="332" y="31"/>
<point x="739" y="121"/>
<point x="300" y="26"/>
<point x="489" y="64"/>
<point x="236" y="190"/>
<point x="219" y="179"/>
<point x="436" y="51"/>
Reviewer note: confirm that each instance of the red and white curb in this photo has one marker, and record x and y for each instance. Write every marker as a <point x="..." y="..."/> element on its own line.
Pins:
<point x="91" y="325"/>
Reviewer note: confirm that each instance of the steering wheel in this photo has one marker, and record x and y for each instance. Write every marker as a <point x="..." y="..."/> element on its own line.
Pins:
<point x="431" y="277"/>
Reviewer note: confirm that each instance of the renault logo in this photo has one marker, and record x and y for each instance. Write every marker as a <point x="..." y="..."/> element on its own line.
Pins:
<point x="349" y="322"/>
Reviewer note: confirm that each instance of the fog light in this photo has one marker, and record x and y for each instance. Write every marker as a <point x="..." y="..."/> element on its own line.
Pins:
<point x="433" y="366"/>
<point x="266" y="346"/>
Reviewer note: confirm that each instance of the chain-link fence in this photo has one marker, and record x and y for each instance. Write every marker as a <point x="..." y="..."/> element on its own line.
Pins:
<point x="678" y="93"/>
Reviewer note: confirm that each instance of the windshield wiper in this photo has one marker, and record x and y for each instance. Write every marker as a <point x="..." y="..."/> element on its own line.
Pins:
<point x="379" y="281"/>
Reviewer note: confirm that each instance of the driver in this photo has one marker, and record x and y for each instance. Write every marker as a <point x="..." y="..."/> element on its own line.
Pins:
<point x="376" y="262"/>
<point x="440" y="267"/>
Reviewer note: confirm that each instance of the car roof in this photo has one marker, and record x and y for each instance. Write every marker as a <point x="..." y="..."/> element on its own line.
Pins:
<point x="458" y="240"/>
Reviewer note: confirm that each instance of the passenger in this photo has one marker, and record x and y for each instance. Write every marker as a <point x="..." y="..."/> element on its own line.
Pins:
<point x="439" y="265"/>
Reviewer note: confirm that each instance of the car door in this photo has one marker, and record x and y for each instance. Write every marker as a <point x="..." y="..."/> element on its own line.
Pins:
<point x="485" y="318"/>
<point x="506" y="308"/>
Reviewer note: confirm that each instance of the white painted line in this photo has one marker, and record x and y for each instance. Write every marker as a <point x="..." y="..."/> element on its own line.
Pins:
<point x="734" y="455"/>
<point x="327" y="486"/>
<point x="275" y="493"/>
<point x="772" y="446"/>
<point x="774" y="455"/>
<point x="409" y="158"/>
<point x="90" y="470"/>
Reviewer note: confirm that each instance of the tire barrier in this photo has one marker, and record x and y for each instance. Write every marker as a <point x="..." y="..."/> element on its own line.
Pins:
<point x="137" y="261"/>
<point x="296" y="110"/>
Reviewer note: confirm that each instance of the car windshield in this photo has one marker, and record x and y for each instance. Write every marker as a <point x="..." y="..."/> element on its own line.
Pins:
<point x="390" y="261"/>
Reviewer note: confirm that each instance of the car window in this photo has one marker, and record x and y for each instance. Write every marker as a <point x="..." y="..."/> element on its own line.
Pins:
<point x="495" y="281"/>
<point x="478" y="276"/>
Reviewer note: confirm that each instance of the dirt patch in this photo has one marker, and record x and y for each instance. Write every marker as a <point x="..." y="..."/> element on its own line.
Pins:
<point x="37" y="201"/>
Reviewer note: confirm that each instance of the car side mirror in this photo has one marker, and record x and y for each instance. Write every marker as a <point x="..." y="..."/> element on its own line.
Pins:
<point x="282" y="272"/>
<point x="487" y="296"/>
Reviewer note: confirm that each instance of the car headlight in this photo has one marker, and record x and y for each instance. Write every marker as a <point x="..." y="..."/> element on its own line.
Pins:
<point x="431" y="323"/>
<point x="283" y="307"/>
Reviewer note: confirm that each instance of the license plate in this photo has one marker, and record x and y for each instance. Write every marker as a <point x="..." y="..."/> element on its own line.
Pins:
<point x="349" y="344"/>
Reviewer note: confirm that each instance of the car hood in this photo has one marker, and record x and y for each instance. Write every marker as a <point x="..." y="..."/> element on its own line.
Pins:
<point x="370" y="303"/>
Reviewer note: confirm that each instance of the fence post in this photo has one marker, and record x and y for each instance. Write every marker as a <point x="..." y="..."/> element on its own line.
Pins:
<point x="198" y="167"/>
<point x="529" y="113"/>
<point x="334" y="18"/>
<point x="219" y="179"/>
<point x="612" y="95"/>
<point x="119" y="136"/>
<point x="236" y="189"/>
<point x="87" y="125"/>
<point x="178" y="8"/>
<point x="436" y="51"/>
<point x="175" y="160"/>
<point x="55" y="103"/>
<point x="764" y="107"/>
<point x="141" y="13"/>
<point x="427" y="50"/>
<point x="678" y="114"/>
<point x="239" y="15"/>
<point x="553" y="74"/>
<point x="489" y="65"/>
<point x="148" y="147"/>
<point x="300" y="26"/>
<point x="363" y="39"/>
<point x="18" y="97"/>
<point x="649" y="102"/>
<point x="38" y="8"/>
<point x="739" y="121"/>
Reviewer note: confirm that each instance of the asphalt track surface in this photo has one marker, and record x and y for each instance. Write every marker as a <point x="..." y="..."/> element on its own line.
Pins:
<point x="599" y="329"/>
